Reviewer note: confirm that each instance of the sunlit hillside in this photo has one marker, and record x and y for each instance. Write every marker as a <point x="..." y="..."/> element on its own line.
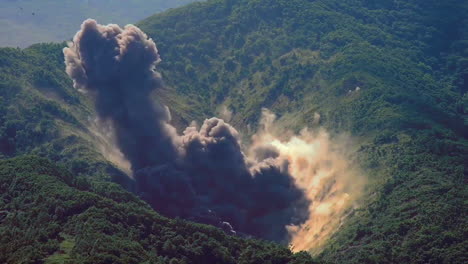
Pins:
<point x="364" y="102"/>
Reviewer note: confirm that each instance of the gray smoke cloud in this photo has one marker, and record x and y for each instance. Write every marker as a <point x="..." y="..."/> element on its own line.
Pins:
<point x="201" y="175"/>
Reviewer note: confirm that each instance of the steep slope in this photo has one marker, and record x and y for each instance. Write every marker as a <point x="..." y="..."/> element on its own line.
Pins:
<point x="383" y="71"/>
<point x="392" y="74"/>
<point x="64" y="209"/>
<point x="26" y="22"/>
<point x="41" y="113"/>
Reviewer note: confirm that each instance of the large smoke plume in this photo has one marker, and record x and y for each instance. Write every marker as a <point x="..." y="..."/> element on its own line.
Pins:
<point x="201" y="175"/>
<point x="297" y="189"/>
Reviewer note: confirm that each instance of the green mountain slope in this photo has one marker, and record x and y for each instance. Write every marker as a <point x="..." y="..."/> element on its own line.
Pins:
<point x="392" y="73"/>
<point x="49" y="216"/>
<point x="26" y="22"/>
<point x="42" y="114"/>
<point x="63" y="208"/>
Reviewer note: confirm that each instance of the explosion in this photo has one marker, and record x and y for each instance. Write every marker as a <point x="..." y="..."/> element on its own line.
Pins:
<point x="286" y="191"/>
<point x="322" y="170"/>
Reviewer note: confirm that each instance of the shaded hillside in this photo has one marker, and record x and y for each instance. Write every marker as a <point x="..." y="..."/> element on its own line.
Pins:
<point x="44" y="208"/>
<point x="64" y="209"/>
<point x="392" y="73"/>
<point x="43" y="114"/>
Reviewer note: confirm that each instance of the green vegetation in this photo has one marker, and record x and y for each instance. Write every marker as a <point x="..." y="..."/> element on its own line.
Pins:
<point x="296" y="57"/>
<point x="64" y="209"/>
<point x="392" y="73"/>
<point x="27" y="119"/>
<point x="63" y="254"/>
<point x="25" y="22"/>
<point x="49" y="216"/>
<point x="41" y="113"/>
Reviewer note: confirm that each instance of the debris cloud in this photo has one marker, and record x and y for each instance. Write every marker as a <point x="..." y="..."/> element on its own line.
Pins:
<point x="322" y="169"/>
<point x="295" y="190"/>
<point x="201" y="175"/>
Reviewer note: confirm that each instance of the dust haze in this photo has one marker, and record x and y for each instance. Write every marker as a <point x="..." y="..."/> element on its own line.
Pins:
<point x="296" y="190"/>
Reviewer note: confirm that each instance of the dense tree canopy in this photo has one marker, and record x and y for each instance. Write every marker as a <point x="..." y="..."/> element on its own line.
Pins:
<point x="392" y="73"/>
<point x="296" y="57"/>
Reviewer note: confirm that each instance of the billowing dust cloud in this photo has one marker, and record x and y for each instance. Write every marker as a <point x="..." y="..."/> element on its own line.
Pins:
<point x="104" y="140"/>
<point x="287" y="191"/>
<point x="201" y="175"/>
<point x="321" y="168"/>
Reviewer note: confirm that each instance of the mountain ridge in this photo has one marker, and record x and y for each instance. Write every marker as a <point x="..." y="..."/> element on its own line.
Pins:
<point x="301" y="58"/>
<point x="304" y="57"/>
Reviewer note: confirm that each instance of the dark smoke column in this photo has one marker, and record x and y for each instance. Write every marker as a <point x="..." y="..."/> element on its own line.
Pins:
<point x="117" y="68"/>
<point x="202" y="175"/>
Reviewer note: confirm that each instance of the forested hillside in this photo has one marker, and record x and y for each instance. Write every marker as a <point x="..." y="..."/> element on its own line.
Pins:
<point x="42" y="114"/>
<point x="392" y="74"/>
<point x="63" y="207"/>
<point x="48" y="216"/>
